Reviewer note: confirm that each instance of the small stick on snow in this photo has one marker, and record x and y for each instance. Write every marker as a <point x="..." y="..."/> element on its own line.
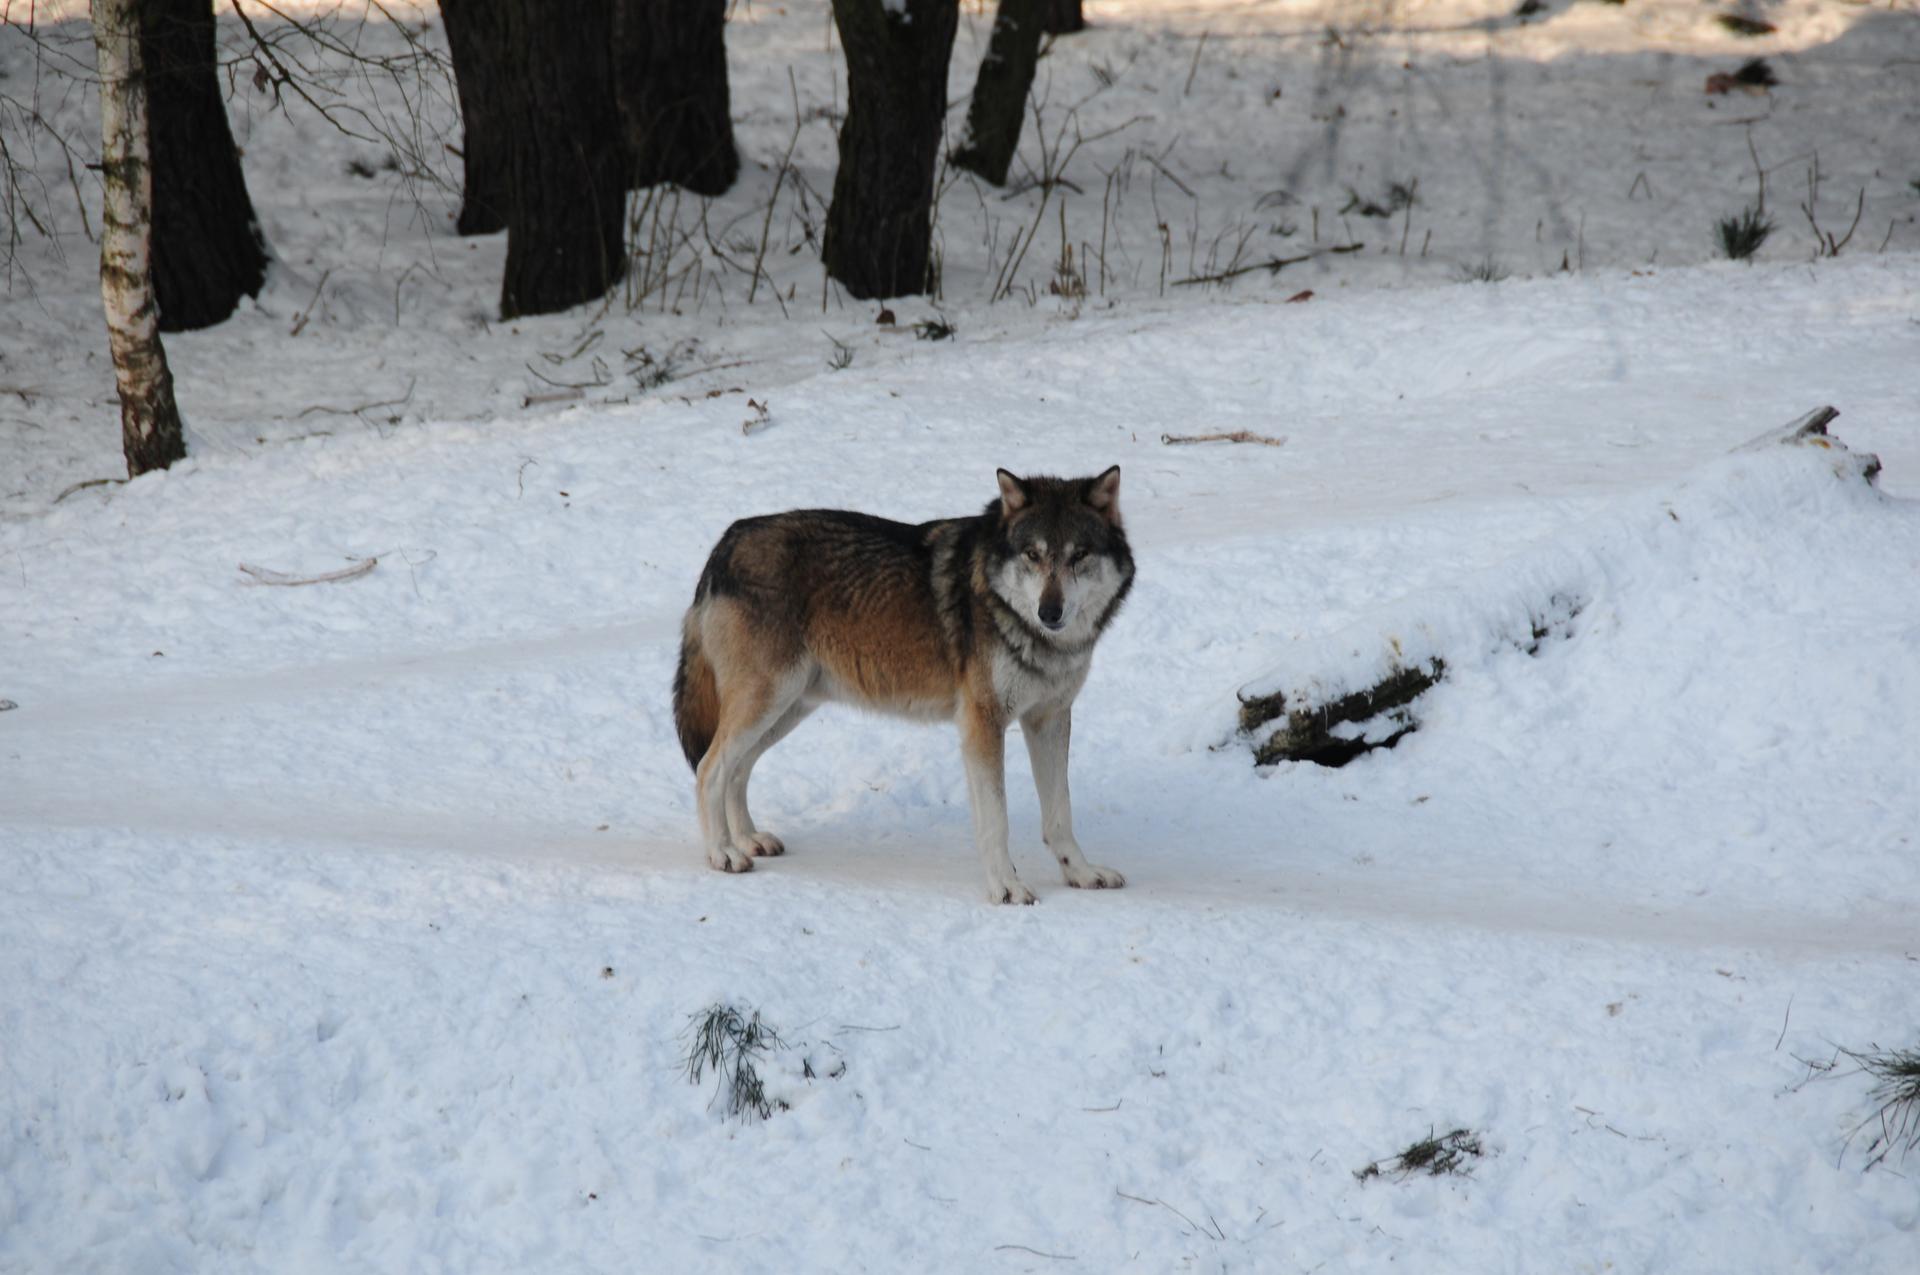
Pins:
<point x="1058" y="1257"/>
<point x="1235" y="436"/>
<point x="364" y="407"/>
<point x="262" y="575"/>
<point x="1273" y="265"/>
<point x="82" y="486"/>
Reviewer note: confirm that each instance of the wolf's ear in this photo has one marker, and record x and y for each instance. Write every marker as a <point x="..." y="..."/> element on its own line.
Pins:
<point x="1013" y="492"/>
<point x="1103" y="493"/>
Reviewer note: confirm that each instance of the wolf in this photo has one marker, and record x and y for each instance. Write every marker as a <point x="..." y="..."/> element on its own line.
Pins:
<point x="980" y="621"/>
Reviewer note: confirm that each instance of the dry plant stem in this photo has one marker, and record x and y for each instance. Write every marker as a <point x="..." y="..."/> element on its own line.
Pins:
<point x="1194" y="69"/>
<point x="300" y="320"/>
<point x="780" y="178"/>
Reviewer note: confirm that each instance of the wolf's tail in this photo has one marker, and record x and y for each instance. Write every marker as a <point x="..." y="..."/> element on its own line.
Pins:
<point x="696" y="695"/>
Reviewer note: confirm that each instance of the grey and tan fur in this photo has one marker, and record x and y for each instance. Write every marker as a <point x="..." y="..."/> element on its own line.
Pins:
<point x="980" y="621"/>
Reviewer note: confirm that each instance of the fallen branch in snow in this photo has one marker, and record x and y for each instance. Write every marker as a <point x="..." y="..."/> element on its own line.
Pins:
<point x="1308" y="734"/>
<point x="86" y="483"/>
<point x="1273" y="265"/>
<point x="1232" y="436"/>
<point x="262" y="575"/>
<point x="1058" y="1257"/>
<point x="325" y="410"/>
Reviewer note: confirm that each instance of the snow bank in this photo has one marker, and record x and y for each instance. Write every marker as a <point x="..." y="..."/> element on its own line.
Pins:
<point x="1740" y="507"/>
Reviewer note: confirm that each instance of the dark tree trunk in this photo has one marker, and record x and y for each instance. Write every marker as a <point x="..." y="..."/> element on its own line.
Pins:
<point x="207" y="250"/>
<point x="567" y="189"/>
<point x="1000" y="91"/>
<point x="671" y="78"/>
<point x="880" y="226"/>
<point x="476" y="38"/>
<point x="1064" y="17"/>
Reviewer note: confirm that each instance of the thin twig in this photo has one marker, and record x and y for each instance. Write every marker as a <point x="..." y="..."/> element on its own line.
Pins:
<point x="1058" y="1257"/>
<point x="300" y="320"/>
<point x="263" y="575"/>
<point x="1234" y="436"/>
<point x="1273" y="265"/>
<point x="780" y="178"/>
<point x="82" y="486"/>
<point x="1192" y="70"/>
<point x="364" y="407"/>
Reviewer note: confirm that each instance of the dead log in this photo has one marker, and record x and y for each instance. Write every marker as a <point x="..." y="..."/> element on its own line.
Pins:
<point x="1307" y="734"/>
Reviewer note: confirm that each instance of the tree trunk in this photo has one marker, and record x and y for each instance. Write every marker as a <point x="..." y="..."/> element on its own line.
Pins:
<point x="149" y="421"/>
<point x="567" y="189"/>
<point x="1000" y="91"/>
<point x="1064" y="17"/>
<point x="671" y="57"/>
<point x="207" y="250"/>
<point x="880" y="225"/>
<point x="476" y="38"/>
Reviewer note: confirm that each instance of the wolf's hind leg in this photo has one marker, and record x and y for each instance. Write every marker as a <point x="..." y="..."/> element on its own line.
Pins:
<point x="749" y="708"/>
<point x="745" y="837"/>
<point x="1048" y="737"/>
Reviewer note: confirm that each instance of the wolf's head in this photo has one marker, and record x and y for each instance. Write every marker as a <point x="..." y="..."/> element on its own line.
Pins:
<point x="1059" y="556"/>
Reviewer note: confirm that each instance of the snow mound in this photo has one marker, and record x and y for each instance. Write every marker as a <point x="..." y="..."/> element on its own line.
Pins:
<point x="1751" y="506"/>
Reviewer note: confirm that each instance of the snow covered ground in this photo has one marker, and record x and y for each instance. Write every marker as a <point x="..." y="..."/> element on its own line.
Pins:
<point x="356" y="926"/>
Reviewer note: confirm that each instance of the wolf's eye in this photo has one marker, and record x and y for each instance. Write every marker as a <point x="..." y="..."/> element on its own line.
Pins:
<point x="1079" y="556"/>
<point x="1033" y="556"/>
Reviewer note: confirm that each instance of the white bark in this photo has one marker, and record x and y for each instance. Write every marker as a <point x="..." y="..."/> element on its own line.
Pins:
<point x="149" y="420"/>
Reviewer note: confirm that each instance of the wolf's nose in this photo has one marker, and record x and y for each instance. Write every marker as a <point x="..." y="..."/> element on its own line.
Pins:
<point x="1050" y="614"/>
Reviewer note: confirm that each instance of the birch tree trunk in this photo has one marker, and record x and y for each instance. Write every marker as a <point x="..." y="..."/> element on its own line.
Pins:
<point x="149" y="420"/>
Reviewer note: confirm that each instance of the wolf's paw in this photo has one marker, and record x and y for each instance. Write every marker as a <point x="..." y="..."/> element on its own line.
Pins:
<point x="1008" y="889"/>
<point x="760" y="845"/>
<point x="728" y="859"/>
<point x="1090" y="876"/>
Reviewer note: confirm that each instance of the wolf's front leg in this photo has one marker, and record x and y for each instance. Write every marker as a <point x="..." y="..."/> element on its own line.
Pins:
<point x="1048" y="736"/>
<point x="983" y="745"/>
